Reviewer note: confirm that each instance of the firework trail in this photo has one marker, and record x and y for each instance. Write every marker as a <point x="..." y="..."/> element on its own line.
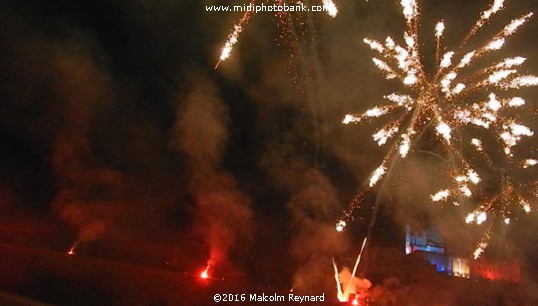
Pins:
<point x="358" y="258"/>
<point x="233" y="38"/>
<point x="458" y="95"/>
<point x="298" y="36"/>
<point x="339" y="291"/>
<point x="283" y="21"/>
<point x="483" y="243"/>
<point x="349" y="283"/>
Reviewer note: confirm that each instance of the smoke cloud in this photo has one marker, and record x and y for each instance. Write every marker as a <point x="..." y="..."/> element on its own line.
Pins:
<point x="84" y="184"/>
<point x="223" y="214"/>
<point x="314" y="241"/>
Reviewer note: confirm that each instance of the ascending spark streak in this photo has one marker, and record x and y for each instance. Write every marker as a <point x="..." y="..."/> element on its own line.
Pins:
<point x="338" y="286"/>
<point x="483" y="244"/>
<point x="233" y="38"/>
<point x="238" y="28"/>
<point x="343" y="297"/>
<point x="358" y="259"/>
<point x="439" y="30"/>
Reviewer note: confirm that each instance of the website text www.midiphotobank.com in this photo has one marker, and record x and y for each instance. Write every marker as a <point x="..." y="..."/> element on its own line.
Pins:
<point x="257" y="8"/>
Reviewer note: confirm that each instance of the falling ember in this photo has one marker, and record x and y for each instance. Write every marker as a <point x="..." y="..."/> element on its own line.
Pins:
<point x="455" y="104"/>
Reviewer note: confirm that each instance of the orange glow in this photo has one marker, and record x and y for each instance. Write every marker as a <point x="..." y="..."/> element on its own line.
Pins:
<point x="343" y="297"/>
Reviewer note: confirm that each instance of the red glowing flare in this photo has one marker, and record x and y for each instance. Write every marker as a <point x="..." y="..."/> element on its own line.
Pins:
<point x="204" y="274"/>
<point x="71" y="251"/>
<point x="355" y="302"/>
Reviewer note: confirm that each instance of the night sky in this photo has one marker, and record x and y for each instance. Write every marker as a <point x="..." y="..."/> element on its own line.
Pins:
<point x="117" y="131"/>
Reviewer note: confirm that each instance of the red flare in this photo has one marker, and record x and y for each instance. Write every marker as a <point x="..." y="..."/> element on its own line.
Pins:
<point x="72" y="249"/>
<point x="204" y="274"/>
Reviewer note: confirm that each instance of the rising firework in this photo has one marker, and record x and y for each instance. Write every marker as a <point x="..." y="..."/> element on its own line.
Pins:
<point x="459" y="95"/>
<point x="283" y="19"/>
<point x="233" y="38"/>
<point x="347" y="286"/>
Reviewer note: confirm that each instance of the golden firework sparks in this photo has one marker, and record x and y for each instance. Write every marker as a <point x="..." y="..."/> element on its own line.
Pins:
<point x="458" y="95"/>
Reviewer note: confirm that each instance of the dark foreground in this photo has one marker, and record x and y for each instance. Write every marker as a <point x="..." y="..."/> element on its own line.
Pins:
<point x="35" y="277"/>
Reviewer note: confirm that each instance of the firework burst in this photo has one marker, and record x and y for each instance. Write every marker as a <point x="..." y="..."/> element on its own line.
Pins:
<point x="459" y="96"/>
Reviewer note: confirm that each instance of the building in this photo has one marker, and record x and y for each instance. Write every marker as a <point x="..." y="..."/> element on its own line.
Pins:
<point x="429" y="243"/>
<point x="459" y="266"/>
